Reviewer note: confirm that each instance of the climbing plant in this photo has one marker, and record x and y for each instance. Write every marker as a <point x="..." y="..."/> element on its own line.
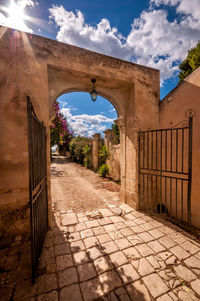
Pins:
<point x="60" y="132"/>
<point x="104" y="154"/>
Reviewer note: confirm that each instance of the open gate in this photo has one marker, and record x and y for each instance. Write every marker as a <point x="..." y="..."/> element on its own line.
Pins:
<point x="165" y="171"/>
<point x="38" y="199"/>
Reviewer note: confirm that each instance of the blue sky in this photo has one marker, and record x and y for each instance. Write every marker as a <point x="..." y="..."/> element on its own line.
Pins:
<point x="155" y="33"/>
<point x="86" y="117"/>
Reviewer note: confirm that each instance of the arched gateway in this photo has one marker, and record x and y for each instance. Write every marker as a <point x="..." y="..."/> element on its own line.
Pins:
<point x="43" y="69"/>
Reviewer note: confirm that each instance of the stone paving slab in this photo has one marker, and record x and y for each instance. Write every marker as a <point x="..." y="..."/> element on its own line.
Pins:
<point x="133" y="256"/>
<point x="69" y="219"/>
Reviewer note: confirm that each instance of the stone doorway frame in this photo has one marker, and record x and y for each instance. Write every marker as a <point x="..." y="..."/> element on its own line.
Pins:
<point x="119" y="93"/>
<point x="44" y="69"/>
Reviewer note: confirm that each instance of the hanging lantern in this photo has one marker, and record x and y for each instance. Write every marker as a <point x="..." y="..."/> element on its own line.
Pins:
<point x="93" y="93"/>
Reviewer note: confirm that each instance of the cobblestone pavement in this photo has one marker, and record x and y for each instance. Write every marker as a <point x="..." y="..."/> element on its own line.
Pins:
<point x="111" y="253"/>
<point x="128" y="257"/>
<point x="103" y="256"/>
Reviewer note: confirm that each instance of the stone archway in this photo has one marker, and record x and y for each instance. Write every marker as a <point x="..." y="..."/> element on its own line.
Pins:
<point x="117" y="92"/>
<point x="45" y="69"/>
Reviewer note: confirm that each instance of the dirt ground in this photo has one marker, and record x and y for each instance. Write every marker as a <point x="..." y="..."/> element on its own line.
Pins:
<point x="76" y="187"/>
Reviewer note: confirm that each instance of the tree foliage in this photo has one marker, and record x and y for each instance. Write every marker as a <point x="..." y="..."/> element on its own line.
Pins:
<point x="115" y="128"/>
<point x="60" y="133"/>
<point x="80" y="150"/>
<point x="191" y="62"/>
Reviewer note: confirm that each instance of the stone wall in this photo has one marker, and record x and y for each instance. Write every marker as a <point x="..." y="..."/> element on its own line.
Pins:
<point x="114" y="162"/>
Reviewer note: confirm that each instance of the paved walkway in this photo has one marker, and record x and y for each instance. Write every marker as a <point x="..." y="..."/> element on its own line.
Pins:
<point x="129" y="257"/>
<point x="110" y="253"/>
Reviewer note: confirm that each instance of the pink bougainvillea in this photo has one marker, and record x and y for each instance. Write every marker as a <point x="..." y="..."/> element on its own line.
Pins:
<point x="59" y="129"/>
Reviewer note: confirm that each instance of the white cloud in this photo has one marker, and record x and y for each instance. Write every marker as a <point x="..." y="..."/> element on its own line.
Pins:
<point x="165" y="2"/>
<point x="64" y="103"/>
<point x="186" y="7"/>
<point x="189" y="11"/>
<point x="153" y="41"/>
<point x="25" y="3"/>
<point x="73" y="30"/>
<point x="159" y="43"/>
<point x="84" y="124"/>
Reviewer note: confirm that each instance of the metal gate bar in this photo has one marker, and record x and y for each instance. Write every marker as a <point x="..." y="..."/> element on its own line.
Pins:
<point x="165" y="171"/>
<point x="38" y="199"/>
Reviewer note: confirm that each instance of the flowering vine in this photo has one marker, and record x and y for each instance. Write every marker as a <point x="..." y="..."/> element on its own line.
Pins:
<point x="60" y="132"/>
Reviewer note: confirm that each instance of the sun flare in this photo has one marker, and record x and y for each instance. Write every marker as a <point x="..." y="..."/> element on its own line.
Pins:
<point x="16" y="12"/>
<point x="13" y="15"/>
<point x="16" y="15"/>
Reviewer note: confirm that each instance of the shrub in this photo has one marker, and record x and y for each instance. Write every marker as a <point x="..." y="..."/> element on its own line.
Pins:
<point x="78" y="149"/>
<point x="103" y="170"/>
<point x="87" y="152"/>
<point x="104" y="154"/>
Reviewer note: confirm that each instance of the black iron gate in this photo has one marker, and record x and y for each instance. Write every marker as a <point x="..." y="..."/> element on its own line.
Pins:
<point x="37" y="184"/>
<point x="165" y="171"/>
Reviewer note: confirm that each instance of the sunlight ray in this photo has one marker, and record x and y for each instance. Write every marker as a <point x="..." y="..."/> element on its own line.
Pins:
<point x="2" y="31"/>
<point x="40" y="23"/>
<point x="29" y="50"/>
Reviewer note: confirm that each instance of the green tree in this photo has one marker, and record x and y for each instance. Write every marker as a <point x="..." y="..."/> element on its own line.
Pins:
<point x="191" y="62"/>
<point x="115" y="128"/>
<point x="80" y="150"/>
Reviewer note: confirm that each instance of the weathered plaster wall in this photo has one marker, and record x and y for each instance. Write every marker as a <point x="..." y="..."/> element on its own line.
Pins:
<point x="172" y="111"/>
<point x="21" y="74"/>
<point x="44" y="69"/>
<point x="114" y="162"/>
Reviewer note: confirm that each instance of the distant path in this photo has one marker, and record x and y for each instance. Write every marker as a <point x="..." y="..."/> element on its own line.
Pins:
<point x="75" y="187"/>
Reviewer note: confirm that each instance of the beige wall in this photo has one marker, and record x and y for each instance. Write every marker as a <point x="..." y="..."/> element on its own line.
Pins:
<point x="114" y="162"/>
<point x="172" y="111"/>
<point x="113" y="147"/>
<point x="44" y="69"/>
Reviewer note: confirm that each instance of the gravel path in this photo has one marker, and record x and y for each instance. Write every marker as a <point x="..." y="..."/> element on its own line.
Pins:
<point x="78" y="188"/>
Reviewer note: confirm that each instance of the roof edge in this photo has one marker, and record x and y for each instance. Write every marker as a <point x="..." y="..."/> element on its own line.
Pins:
<point x="179" y="85"/>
